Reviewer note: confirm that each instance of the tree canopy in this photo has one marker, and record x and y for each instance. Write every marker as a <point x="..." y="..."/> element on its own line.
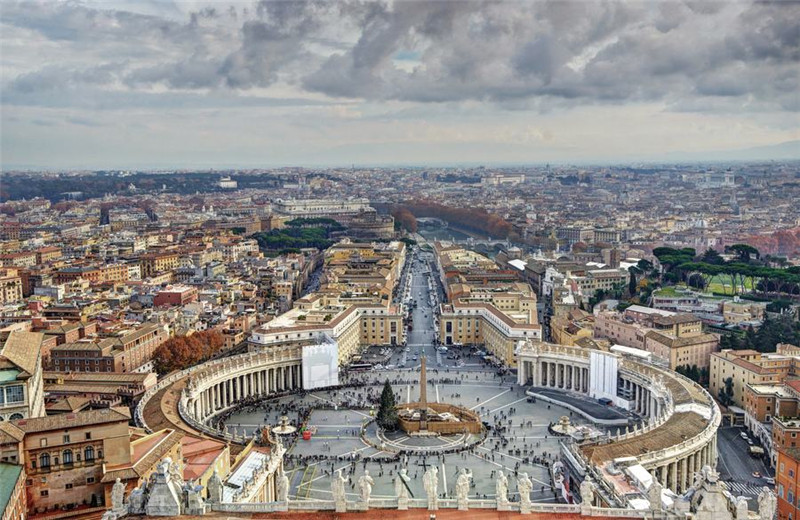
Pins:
<point x="182" y="352"/>
<point x="387" y="411"/>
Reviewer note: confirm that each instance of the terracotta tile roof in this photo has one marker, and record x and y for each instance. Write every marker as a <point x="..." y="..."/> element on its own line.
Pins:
<point x="71" y="420"/>
<point x="22" y="349"/>
<point x="147" y="452"/>
<point x="10" y="433"/>
<point x="678" y="428"/>
<point x="68" y="404"/>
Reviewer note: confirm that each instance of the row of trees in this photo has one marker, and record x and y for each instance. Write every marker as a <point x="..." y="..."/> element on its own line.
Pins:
<point x="698" y="375"/>
<point x="182" y="352"/>
<point x="746" y="270"/>
<point x="404" y="219"/>
<point x="477" y="220"/>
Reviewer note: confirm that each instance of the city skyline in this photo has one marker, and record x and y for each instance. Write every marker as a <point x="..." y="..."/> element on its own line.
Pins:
<point x="245" y="84"/>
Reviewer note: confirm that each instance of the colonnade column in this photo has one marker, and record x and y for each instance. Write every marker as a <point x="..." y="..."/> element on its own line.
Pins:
<point x="684" y="484"/>
<point x="673" y="473"/>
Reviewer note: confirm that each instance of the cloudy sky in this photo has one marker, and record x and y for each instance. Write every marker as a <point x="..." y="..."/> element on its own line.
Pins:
<point x="145" y="83"/>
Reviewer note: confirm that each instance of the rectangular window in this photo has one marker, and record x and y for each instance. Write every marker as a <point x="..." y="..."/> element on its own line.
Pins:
<point x="15" y="394"/>
<point x="68" y="486"/>
<point x="44" y="493"/>
<point x="66" y="439"/>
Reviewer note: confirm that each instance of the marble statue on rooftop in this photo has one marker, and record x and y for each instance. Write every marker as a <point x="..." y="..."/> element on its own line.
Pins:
<point x="767" y="504"/>
<point x="283" y="486"/>
<point x="587" y="491"/>
<point x="365" y="484"/>
<point x="462" y="488"/>
<point x="525" y="486"/>
<point x="338" y="491"/>
<point x="501" y="488"/>
<point x="430" y="481"/>
<point x="118" y="496"/>
<point x="654" y="495"/>
<point x="214" y="488"/>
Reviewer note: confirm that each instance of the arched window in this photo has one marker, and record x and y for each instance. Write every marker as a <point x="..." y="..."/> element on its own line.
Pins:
<point x="44" y="460"/>
<point x="66" y="456"/>
<point x="88" y="453"/>
<point x="15" y="416"/>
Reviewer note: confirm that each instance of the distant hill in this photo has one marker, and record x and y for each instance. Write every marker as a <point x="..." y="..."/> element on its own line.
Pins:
<point x="790" y="150"/>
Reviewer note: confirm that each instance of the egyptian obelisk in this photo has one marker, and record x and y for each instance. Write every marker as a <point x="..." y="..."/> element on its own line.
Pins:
<point x="423" y="396"/>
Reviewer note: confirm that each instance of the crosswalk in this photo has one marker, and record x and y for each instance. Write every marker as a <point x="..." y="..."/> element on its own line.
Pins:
<point x="739" y="488"/>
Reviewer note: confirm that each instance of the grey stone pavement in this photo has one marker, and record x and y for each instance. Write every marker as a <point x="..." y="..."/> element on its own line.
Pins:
<point x="455" y="376"/>
<point x="590" y="406"/>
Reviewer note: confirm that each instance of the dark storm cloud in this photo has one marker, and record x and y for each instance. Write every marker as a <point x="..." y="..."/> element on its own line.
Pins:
<point x="504" y="52"/>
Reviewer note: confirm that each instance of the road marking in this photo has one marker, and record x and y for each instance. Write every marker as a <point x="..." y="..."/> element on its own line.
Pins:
<point x="335" y="404"/>
<point x="490" y="399"/>
<point x="509" y="404"/>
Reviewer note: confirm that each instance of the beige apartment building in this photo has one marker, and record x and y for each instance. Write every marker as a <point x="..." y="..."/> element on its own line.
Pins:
<point x="72" y="460"/>
<point x="682" y="350"/>
<point x="317" y="316"/>
<point x="155" y="263"/>
<point x="487" y="305"/>
<point x="748" y="367"/>
<point x="64" y="456"/>
<point x="21" y="386"/>
<point x="675" y="337"/>
<point x="10" y="286"/>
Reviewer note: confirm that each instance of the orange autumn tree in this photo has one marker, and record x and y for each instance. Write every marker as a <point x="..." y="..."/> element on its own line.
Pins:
<point x="184" y="351"/>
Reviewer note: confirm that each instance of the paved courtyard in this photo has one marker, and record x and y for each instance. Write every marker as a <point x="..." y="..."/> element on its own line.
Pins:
<point x="518" y="440"/>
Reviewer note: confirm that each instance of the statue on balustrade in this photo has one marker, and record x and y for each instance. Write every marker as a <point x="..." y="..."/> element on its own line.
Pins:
<point x="462" y="487"/>
<point x="283" y="487"/>
<point x="742" y="512"/>
<point x="338" y="491"/>
<point x="654" y="495"/>
<point x="430" y="480"/>
<point x="401" y="484"/>
<point x="501" y="488"/>
<point x="118" y="496"/>
<point x="767" y="504"/>
<point x="365" y="484"/>
<point x="525" y="486"/>
<point x="214" y="488"/>
<point x="587" y="491"/>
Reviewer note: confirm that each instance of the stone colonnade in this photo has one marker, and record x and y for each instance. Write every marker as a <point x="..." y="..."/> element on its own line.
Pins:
<point x="643" y="389"/>
<point x="226" y="391"/>
<point x="574" y="376"/>
<point x="678" y="474"/>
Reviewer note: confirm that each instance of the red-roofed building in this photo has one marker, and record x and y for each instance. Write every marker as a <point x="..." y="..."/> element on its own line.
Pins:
<point x="202" y="456"/>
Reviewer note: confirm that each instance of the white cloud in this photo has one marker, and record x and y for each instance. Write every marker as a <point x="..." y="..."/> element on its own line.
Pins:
<point x="516" y="81"/>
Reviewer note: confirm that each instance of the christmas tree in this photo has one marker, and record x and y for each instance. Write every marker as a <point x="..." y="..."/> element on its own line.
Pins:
<point x="387" y="412"/>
